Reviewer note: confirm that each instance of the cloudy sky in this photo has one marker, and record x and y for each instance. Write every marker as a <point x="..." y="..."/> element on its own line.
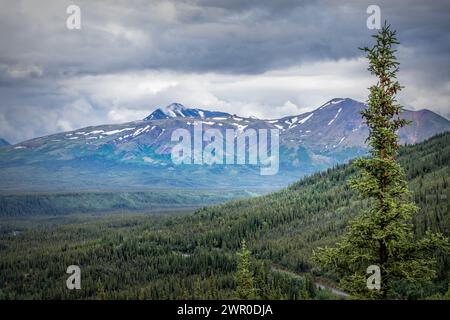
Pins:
<point x="263" y="58"/>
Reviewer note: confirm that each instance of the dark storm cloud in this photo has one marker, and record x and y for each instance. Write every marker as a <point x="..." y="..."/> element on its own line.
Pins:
<point x="228" y="37"/>
<point x="201" y="36"/>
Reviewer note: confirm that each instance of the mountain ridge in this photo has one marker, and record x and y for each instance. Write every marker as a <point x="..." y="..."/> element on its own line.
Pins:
<point x="176" y="109"/>
<point x="182" y="112"/>
<point x="138" y="153"/>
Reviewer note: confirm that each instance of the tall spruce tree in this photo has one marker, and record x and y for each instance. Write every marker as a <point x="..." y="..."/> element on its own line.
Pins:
<point x="244" y="277"/>
<point x="383" y="234"/>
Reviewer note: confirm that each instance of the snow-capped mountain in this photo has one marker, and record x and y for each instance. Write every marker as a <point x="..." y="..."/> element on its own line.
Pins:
<point x="137" y="154"/>
<point x="178" y="110"/>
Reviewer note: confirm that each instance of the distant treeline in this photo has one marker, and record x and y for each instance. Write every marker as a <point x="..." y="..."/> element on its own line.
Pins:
<point x="92" y="202"/>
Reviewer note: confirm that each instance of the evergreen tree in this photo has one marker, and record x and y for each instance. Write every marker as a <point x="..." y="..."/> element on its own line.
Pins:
<point x="383" y="234"/>
<point x="244" y="277"/>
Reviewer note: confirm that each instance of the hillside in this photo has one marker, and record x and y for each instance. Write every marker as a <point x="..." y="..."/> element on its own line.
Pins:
<point x="193" y="255"/>
<point x="286" y="226"/>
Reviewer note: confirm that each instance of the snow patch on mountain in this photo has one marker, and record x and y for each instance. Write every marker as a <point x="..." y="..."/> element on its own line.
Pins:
<point x="112" y="132"/>
<point x="305" y="119"/>
<point x="335" y="117"/>
<point x="174" y="109"/>
<point x="140" y="130"/>
<point x="331" y="102"/>
<point x="279" y="127"/>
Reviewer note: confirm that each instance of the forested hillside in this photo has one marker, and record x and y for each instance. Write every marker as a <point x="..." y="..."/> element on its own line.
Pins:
<point x="193" y="255"/>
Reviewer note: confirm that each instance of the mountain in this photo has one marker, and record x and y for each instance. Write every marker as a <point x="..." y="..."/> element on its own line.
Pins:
<point x="337" y="125"/>
<point x="137" y="154"/>
<point x="4" y="143"/>
<point x="175" y="110"/>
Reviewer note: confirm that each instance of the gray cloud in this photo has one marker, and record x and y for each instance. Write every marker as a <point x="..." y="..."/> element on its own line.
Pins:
<point x="198" y="50"/>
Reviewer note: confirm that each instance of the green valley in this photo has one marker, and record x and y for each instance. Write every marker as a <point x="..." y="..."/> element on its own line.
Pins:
<point x="192" y="255"/>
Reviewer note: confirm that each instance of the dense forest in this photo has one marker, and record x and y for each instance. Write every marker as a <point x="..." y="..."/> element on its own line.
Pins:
<point x="193" y="255"/>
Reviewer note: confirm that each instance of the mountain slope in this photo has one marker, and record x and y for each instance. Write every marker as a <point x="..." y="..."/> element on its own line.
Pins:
<point x="338" y="125"/>
<point x="4" y="143"/>
<point x="138" y="154"/>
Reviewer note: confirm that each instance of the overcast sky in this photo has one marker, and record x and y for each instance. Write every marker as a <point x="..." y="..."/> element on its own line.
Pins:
<point x="263" y="58"/>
